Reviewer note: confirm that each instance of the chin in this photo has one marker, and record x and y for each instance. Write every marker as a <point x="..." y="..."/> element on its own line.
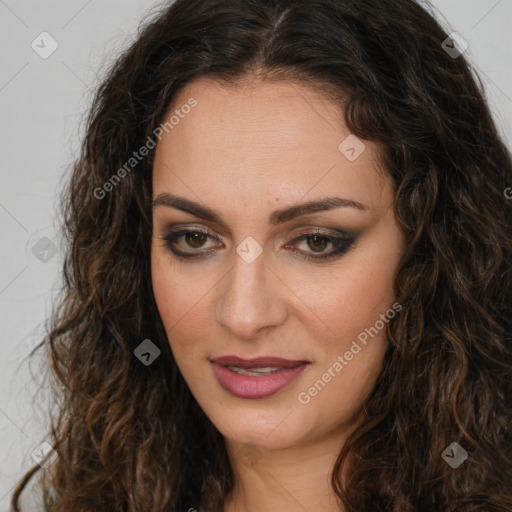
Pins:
<point x="262" y="423"/>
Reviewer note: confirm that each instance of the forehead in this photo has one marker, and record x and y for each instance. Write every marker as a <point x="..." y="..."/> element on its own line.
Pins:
<point x="261" y="116"/>
<point x="261" y="139"/>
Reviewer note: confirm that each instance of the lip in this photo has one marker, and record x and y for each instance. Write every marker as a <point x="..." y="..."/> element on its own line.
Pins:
<point x="246" y="386"/>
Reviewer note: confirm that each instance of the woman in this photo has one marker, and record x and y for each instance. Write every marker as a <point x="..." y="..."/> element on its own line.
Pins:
<point x="288" y="282"/>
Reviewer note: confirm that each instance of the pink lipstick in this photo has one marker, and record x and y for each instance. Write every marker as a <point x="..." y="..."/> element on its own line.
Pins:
<point x="258" y="377"/>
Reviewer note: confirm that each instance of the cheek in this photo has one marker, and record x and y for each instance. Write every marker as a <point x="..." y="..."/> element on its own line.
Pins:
<point x="181" y="299"/>
<point x="349" y="351"/>
<point x="165" y="290"/>
<point x="342" y="304"/>
<point x="351" y="325"/>
<point x="355" y="307"/>
<point x="175" y="293"/>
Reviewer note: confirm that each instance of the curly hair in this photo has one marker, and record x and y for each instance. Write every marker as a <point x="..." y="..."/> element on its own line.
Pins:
<point x="137" y="441"/>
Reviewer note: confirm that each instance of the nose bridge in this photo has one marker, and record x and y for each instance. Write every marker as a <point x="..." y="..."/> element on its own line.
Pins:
<point x="248" y="300"/>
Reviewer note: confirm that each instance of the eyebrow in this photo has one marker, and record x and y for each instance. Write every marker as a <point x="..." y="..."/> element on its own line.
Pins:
<point x="276" y="217"/>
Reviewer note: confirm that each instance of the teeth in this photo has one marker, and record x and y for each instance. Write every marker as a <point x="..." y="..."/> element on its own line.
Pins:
<point x="254" y="372"/>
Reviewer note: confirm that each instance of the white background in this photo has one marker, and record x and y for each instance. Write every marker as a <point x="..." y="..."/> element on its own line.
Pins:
<point x="42" y="104"/>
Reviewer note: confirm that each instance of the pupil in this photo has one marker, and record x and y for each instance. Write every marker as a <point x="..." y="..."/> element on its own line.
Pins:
<point x="195" y="239"/>
<point x="322" y="243"/>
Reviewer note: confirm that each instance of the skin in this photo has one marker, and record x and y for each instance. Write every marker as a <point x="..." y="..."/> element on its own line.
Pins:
<point x="245" y="152"/>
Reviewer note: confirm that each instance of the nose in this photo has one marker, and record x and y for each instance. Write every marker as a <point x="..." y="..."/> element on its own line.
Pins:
<point x="251" y="299"/>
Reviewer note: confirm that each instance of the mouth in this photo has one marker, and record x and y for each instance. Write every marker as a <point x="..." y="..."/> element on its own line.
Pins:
<point x="256" y="378"/>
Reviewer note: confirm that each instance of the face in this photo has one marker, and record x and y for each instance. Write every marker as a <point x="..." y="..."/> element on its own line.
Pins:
<point x="240" y="267"/>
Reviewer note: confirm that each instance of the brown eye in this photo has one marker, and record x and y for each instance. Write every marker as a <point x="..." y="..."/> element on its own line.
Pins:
<point x="195" y="239"/>
<point x="186" y="243"/>
<point x="317" y="243"/>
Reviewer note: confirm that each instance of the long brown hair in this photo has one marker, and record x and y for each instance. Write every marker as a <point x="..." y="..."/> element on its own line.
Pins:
<point x="131" y="437"/>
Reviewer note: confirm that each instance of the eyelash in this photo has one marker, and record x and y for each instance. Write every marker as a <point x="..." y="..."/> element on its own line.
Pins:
<point x="341" y="244"/>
